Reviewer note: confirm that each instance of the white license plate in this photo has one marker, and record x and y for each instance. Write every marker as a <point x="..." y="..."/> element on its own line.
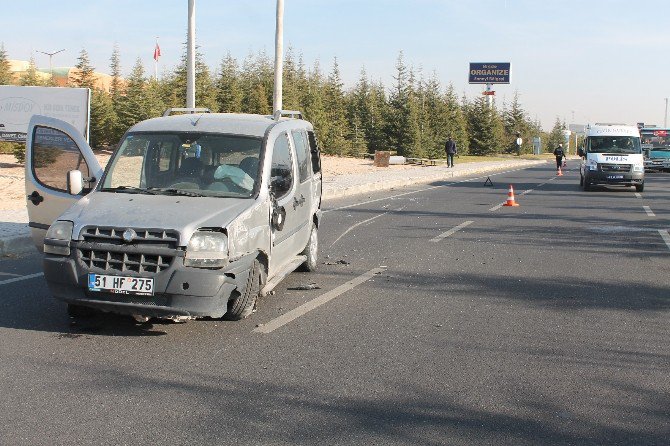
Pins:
<point x="138" y="286"/>
<point x="615" y="177"/>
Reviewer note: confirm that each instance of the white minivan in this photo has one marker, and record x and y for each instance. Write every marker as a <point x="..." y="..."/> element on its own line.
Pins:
<point x="195" y="215"/>
<point x="611" y="155"/>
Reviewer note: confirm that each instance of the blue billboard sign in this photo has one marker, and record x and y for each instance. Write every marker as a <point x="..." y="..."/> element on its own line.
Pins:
<point x="489" y="73"/>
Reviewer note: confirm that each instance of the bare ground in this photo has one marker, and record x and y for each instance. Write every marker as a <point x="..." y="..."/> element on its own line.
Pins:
<point x="12" y="175"/>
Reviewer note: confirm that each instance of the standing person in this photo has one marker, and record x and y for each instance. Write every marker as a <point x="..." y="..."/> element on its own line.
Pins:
<point x="559" y="154"/>
<point x="450" y="148"/>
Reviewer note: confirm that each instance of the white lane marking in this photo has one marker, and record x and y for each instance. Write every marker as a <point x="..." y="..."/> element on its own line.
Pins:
<point x="666" y="237"/>
<point x="526" y="192"/>
<point x="451" y="231"/>
<point x="316" y="302"/>
<point x="495" y="208"/>
<point x="649" y="212"/>
<point x="418" y="191"/>
<point x="363" y="222"/>
<point x="638" y="195"/>
<point x="18" y="279"/>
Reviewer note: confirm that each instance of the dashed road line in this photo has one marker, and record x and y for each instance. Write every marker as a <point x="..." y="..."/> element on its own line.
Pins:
<point x="18" y="279"/>
<point x="649" y="212"/>
<point x="498" y="206"/>
<point x="451" y="231"/>
<point x="316" y="302"/>
<point x="638" y="195"/>
<point x="665" y="236"/>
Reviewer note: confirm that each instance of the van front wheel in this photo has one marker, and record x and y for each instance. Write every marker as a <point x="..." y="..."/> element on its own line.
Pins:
<point x="639" y="187"/>
<point x="243" y="304"/>
<point x="311" y="251"/>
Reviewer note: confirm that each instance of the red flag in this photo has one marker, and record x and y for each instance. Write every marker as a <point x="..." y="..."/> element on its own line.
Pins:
<point x="157" y="52"/>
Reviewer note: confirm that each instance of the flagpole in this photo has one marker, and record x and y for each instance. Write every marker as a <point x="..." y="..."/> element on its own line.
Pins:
<point x="156" y="61"/>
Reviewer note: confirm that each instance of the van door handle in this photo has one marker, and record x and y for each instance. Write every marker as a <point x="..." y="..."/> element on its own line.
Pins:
<point x="36" y="198"/>
<point x="297" y="202"/>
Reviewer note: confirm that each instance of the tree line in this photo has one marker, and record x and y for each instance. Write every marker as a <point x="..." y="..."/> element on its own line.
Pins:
<point x="414" y="116"/>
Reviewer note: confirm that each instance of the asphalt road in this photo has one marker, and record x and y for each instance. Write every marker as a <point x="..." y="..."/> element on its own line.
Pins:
<point x="439" y="318"/>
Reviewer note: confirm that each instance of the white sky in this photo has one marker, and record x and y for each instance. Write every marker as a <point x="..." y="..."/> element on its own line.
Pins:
<point x="596" y="60"/>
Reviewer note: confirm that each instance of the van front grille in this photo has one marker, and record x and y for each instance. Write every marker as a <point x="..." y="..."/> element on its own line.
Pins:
<point x="614" y="167"/>
<point x="123" y="261"/>
<point x="142" y="251"/>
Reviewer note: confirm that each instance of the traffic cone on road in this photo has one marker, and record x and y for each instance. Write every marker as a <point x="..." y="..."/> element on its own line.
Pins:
<point x="559" y="172"/>
<point x="510" y="198"/>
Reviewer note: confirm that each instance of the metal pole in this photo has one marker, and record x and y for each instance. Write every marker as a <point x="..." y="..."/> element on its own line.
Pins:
<point x="665" y="120"/>
<point x="156" y="61"/>
<point x="51" y="70"/>
<point x="489" y="99"/>
<point x="279" y="59"/>
<point x="190" y="57"/>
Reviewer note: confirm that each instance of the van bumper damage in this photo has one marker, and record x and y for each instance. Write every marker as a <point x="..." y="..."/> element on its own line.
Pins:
<point x="179" y="291"/>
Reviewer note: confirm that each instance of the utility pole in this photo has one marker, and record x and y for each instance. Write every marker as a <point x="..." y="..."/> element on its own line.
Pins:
<point x="51" y="70"/>
<point x="190" y="57"/>
<point x="279" y="60"/>
<point x="665" y="120"/>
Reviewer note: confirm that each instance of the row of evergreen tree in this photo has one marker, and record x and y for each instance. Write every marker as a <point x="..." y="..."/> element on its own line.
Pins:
<point x="413" y="117"/>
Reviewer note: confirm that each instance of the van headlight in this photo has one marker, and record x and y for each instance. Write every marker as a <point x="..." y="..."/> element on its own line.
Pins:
<point x="57" y="240"/>
<point x="592" y="165"/>
<point x="207" y="250"/>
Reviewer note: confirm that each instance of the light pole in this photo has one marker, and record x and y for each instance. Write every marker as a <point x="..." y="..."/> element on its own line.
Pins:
<point x="665" y="120"/>
<point x="51" y="70"/>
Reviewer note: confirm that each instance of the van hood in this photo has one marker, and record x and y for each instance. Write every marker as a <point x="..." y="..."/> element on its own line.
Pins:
<point x="180" y="213"/>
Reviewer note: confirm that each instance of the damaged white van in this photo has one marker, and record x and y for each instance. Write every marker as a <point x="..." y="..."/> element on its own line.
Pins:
<point x="611" y="155"/>
<point x="195" y="215"/>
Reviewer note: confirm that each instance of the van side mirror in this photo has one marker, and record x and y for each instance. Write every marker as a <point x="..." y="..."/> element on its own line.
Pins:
<point x="580" y="152"/>
<point x="75" y="182"/>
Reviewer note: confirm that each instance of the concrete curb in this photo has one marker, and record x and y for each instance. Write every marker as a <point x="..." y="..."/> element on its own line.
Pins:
<point x="17" y="244"/>
<point x="333" y="191"/>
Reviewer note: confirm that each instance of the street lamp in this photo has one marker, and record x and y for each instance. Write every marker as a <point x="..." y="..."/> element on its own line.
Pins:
<point x="51" y="70"/>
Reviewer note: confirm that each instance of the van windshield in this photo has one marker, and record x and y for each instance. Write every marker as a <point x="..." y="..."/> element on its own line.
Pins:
<point x="613" y="144"/>
<point x="195" y="164"/>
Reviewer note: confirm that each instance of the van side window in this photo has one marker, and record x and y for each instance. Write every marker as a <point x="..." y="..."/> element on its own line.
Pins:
<point x="54" y="152"/>
<point x="314" y="150"/>
<point x="302" y="152"/>
<point x="281" y="172"/>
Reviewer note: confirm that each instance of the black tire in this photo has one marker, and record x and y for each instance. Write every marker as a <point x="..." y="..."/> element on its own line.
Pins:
<point x="581" y="180"/>
<point x="586" y="185"/>
<point x="311" y="251"/>
<point x="80" y="311"/>
<point x="243" y="305"/>
<point x="639" y="187"/>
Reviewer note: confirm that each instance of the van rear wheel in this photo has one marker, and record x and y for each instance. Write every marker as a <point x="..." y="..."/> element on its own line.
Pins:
<point x="243" y="304"/>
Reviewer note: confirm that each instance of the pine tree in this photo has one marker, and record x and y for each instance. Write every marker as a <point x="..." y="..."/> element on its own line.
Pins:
<point x="174" y="91"/>
<point x="115" y="95"/>
<point x="485" y="128"/>
<point x="314" y="106"/>
<point x="397" y="119"/>
<point x="375" y="124"/>
<point x="358" y="114"/>
<point x="229" y="93"/>
<point x="556" y="136"/>
<point x="457" y="123"/>
<point x="84" y="76"/>
<point x="30" y="78"/>
<point x="291" y="97"/>
<point x="516" y="122"/>
<point x="257" y="81"/>
<point x="6" y="77"/>
<point x="102" y="119"/>
<point x="133" y="106"/>
<point x="335" y="137"/>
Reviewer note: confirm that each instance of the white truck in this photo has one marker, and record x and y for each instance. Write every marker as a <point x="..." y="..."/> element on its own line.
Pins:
<point x="611" y="155"/>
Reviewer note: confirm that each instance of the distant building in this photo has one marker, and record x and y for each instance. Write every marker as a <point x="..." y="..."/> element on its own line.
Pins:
<point x="62" y="76"/>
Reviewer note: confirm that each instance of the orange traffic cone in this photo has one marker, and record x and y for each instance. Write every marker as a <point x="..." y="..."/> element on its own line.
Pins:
<point x="510" y="198"/>
<point x="559" y="172"/>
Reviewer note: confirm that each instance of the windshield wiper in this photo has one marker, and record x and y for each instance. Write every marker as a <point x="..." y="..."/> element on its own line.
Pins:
<point x="172" y="191"/>
<point x="128" y="190"/>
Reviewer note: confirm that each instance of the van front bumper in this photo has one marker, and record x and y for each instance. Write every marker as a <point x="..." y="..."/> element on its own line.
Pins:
<point x="178" y="290"/>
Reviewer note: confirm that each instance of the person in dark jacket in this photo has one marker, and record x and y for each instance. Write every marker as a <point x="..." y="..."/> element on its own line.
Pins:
<point x="559" y="154"/>
<point x="450" y="148"/>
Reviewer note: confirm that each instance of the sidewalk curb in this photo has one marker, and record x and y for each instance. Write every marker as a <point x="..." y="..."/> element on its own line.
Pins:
<point x="18" y="244"/>
<point x="380" y="185"/>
